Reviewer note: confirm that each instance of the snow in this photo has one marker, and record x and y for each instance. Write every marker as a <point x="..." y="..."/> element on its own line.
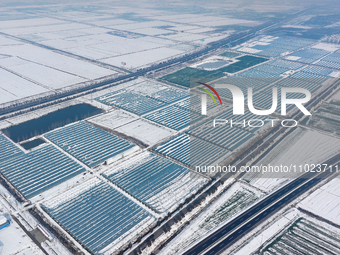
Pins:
<point x="24" y="64"/>
<point x="164" y="193"/>
<point x="62" y="34"/>
<point x="33" y="114"/>
<point x="3" y="219"/>
<point x="151" y="31"/>
<point x="267" y="39"/>
<point x="32" y="22"/>
<point x="61" y="188"/>
<point x="213" y="59"/>
<point x="7" y="41"/>
<point x="114" y="119"/>
<point x="262" y="43"/>
<point x="87" y="52"/>
<point x="72" y="193"/>
<point x="142" y="58"/>
<point x="298" y="148"/>
<point x="22" y="118"/>
<point x="4" y="124"/>
<point x="335" y="74"/>
<point x="326" y="47"/>
<point x="182" y="46"/>
<point x="227" y="22"/>
<point x="111" y="22"/>
<point x="184" y="37"/>
<point x="269" y="232"/>
<point x="25" y="54"/>
<point x="13" y="87"/>
<point x="51" y="78"/>
<point x="15" y="241"/>
<point x="249" y="50"/>
<point x="261" y="238"/>
<point x="31" y="30"/>
<point x="183" y="27"/>
<point x="87" y="185"/>
<point x="201" y="30"/>
<point x="174" y="228"/>
<point x="141" y="25"/>
<point x="202" y="20"/>
<point x="10" y="205"/>
<point x="306" y="151"/>
<point x="120" y="45"/>
<point x="145" y="131"/>
<point x="158" y="40"/>
<point x="128" y="236"/>
<point x="336" y="96"/>
<point x="324" y="202"/>
<point x="294" y="58"/>
<point x="211" y="39"/>
<point x="84" y="41"/>
<point x="91" y="30"/>
<point x="297" y="26"/>
<point x="123" y="85"/>
<point x="216" y="214"/>
<point x="147" y="87"/>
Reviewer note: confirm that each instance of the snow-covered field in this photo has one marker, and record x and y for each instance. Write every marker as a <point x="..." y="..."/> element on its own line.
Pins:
<point x="299" y="148"/>
<point x="297" y="26"/>
<point x="233" y="200"/>
<point x="324" y="202"/>
<point x="13" y="87"/>
<point x="292" y="233"/>
<point x="326" y="47"/>
<point x="147" y="87"/>
<point x="336" y="96"/>
<point x="185" y="37"/>
<point x="114" y="119"/>
<point x="124" y="85"/>
<point x="202" y="20"/>
<point x="150" y="31"/>
<point x="145" y="131"/>
<point x="4" y="124"/>
<point x="142" y="58"/>
<point x="62" y="187"/>
<point x="28" y="70"/>
<point x="15" y="241"/>
<point x="27" y="53"/>
<point x="116" y="41"/>
<point x="294" y="58"/>
<point x="140" y="25"/>
<point x="249" y="50"/>
<point x="42" y="75"/>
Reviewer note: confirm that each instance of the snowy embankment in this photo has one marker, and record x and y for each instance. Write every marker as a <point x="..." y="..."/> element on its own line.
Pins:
<point x="324" y="202"/>
<point x="293" y="233"/>
<point x="233" y="200"/>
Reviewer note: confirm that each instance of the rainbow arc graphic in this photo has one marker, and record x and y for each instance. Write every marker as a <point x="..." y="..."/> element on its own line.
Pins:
<point x="209" y="93"/>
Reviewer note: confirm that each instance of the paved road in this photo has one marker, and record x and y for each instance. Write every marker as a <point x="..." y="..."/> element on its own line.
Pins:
<point x="248" y="220"/>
